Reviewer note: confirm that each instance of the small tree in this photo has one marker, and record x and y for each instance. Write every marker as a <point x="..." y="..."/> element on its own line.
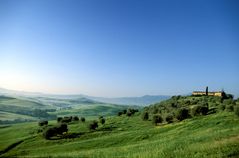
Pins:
<point x="42" y="123"/>
<point x="59" y="119"/>
<point x="157" y="119"/>
<point x="124" y="111"/>
<point x="82" y="119"/>
<point x="128" y="113"/>
<point x="102" y="121"/>
<point x="182" y="114"/>
<point x="145" y="116"/>
<point x="120" y="113"/>
<point x="75" y="118"/>
<point x="229" y="108"/>
<point x="93" y="125"/>
<point x="169" y="118"/>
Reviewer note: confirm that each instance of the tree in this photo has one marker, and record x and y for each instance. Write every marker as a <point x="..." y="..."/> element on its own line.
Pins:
<point x="102" y="121"/>
<point x="157" y="119"/>
<point x="145" y="116"/>
<point x="59" y="119"/>
<point x="120" y="113"/>
<point x="182" y="114"/>
<point x="75" y="118"/>
<point x="82" y="119"/>
<point x="42" y="123"/>
<point x="93" y="125"/>
<point x="169" y="118"/>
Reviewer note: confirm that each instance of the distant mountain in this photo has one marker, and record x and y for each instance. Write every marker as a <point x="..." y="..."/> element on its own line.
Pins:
<point x="139" y="101"/>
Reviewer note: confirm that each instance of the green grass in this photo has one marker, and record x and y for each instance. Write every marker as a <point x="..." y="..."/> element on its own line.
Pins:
<point x="12" y="116"/>
<point x="215" y="135"/>
<point x="91" y="110"/>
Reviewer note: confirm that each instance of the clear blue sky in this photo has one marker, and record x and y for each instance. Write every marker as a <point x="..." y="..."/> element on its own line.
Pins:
<point x="119" y="47"/>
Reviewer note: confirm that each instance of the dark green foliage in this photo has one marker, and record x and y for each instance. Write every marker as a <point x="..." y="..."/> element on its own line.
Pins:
<point x="182" y="114"/>
<point x="82" y="119"/>
<point x="75" y="118"/>
<point x="199" y="110"/>
<point x="100" y="117"/>
<point x="128" y="113"/>
<point x="124" y="111"/>
<point x="145" y="116"/>
<point x="169" y="118"/>
<point x="236" y="110"/>
<point x="66" y="119"/>
<point x="120" y="113"/>
<point x="229" y="108"/>
<point x="54" y="131"/>
<point x="59" y="119"/>
<point x="93" y="125"/>
<point x="102" y="121"/>
<point x="43" y="123"/>
<point x="157" y="119"/>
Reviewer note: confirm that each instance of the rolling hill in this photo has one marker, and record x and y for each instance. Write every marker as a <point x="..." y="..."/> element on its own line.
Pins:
<point x="212" y="134"/>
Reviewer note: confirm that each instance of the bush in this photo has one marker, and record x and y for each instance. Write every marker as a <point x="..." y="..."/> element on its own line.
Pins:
<point x="236" y="110"/>
<point x="182" y="114"/>
<point x="157" y="119"/>
<point x="120" y="113"/>
<point x="42" y="123"/>
<point x="54" y="131"/>
<point x="82" y="119"/>
<point x="93" y="125"/>
<point x="124" y="111"/>
<point x="59" y="119"/>
<point x="169" y="118"/>
<point x="229" y="108"/>
<point x="128" y="113"/>
<point x="75" y="118"/>
<point x="199" y="110"/>
<point x="66" y="119"/>
<point x="145" y="116"/>
<point x="102" y="121"/>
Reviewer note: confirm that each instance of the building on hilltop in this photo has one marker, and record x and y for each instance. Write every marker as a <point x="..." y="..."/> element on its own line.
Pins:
<point x="207" y="93"/>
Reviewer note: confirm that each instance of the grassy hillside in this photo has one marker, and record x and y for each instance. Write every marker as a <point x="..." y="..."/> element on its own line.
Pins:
<point x="22" y="109"/>
<point x="214" y="135"/>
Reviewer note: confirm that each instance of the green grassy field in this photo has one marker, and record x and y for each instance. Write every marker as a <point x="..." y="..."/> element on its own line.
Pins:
<point x="215" y="135"/>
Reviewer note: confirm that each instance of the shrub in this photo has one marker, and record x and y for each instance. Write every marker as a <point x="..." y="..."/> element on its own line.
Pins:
<point x="145" y="116"/>
<point x="54" y="131"/>
<point x="199" y="110"/>
<point x="82" y="119"/>
<point x="59" y="119"/>
<point x="100" y="117"/>
<point x="124" y="111"/>
<point x="102" y="121"/>
<point x="182" y="114"/>
<point x="49" y="132"/>
<point x="169" y="118"/>
<point x="75" y="118"/>
<point x="236" y="110"/>
<point x="157" y="119"/>
<point x="42" y="123"/>
<point x="128" y="113"/>
<point x="229" y="108"/>
<point x="66" y="119"/>
<point x="93" y="125"/>
<point x="120" y="113"/>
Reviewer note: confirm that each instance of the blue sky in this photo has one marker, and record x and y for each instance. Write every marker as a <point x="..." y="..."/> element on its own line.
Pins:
<point x="119" y="47"/>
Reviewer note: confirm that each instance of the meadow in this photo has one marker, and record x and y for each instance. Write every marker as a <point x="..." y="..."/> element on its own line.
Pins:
<point x="215" y="135"/>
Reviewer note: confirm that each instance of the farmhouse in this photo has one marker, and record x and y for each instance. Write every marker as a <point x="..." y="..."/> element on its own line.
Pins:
<point x="217" y="93"/>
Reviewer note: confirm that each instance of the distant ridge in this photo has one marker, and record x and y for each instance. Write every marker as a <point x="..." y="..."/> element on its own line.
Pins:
<point x="140" y="101"/>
